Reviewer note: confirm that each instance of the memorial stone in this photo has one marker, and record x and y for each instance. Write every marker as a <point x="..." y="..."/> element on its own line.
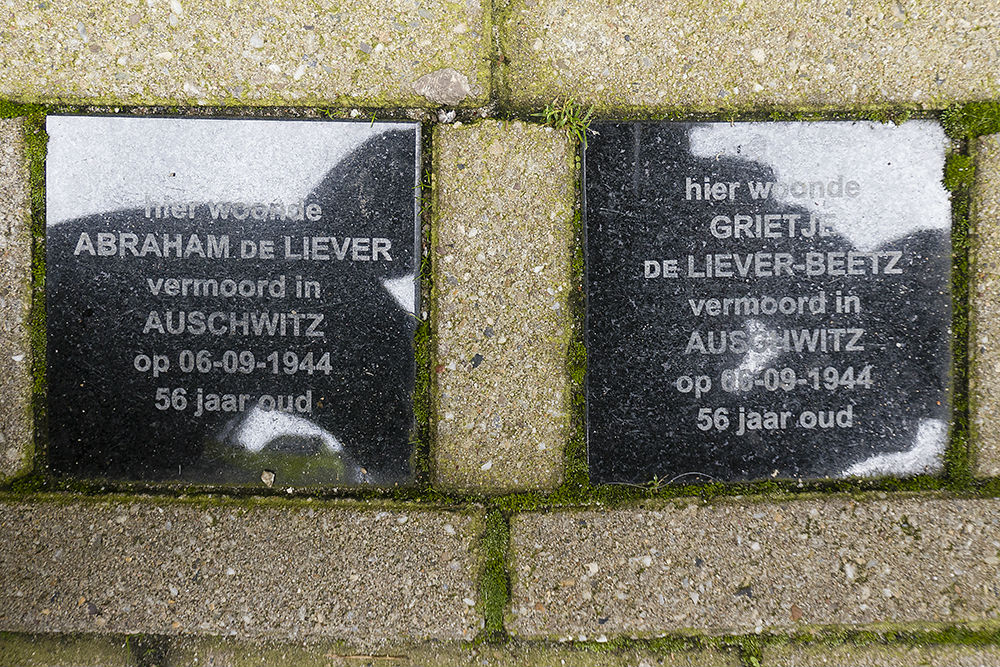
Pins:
<point x="766" y="300"/>
<point x="231" y="301"/>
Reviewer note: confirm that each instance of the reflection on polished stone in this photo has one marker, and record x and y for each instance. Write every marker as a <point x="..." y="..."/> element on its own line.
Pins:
<point x="767" y="300"/>
<point x="227" y="297"/>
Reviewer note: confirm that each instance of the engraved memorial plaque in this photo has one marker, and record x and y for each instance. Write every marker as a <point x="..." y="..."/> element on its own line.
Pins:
<point x="767" y="300"/>
<point x="231" y="300"/>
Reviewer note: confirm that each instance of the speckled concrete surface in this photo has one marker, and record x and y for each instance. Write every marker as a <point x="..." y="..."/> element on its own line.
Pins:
<point x="15" y="301"/>
<point x="110" y="651"/>
<point x="363" y="575"/>
<point x="63" y="651"/>
<point x="742" y="567"/>
<point x="505" y="196"/>
<point x="984" y="286"/>
<point x="713" y="55"/>
<point x="876" y="655"/>
<point x="438" y="654"/>
<point x="281" y="52"/>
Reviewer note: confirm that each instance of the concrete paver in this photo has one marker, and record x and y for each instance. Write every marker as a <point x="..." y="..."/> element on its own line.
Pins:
<point x="880" y="655"/>
<point x="355" y="573"/>
<point x="984" y="285"/>
<point x="16" y="429"/>
<point x="281" y="52"/>
<point x="501" y="258"/>
<point x="751" y="53"/>
<point x="40" y="650"/>
<point x="744" y="567"/>
<point x="436" y="654"/>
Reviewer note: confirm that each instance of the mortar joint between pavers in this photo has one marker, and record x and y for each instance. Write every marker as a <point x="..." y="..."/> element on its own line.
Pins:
<point x="495" y="582"/>
<point x="423" y="343"/>
<point x="958" y="454"/>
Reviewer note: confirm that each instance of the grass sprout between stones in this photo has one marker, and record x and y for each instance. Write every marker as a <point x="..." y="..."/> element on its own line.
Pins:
<point x="568" y="116"/>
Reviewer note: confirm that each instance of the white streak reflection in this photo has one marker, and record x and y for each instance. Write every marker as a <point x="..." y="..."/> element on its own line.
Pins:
<point x="925" y="457"/>
<point x="262" y="427"/>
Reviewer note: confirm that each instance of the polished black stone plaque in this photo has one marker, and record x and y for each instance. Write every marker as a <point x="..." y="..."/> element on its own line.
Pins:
<point x="766" y="300"/>
<point x="231" y="300"/>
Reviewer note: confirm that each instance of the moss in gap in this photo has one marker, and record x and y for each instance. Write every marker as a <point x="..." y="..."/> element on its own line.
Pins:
<point x="501" y="36"/>
<point x="669" y="645"/>
<point x="632" y="495"/>
<point x="496" y="65"/>
<point x="421" y="399"/>
<point x="575" y="459"/>
<point x="975" y="119"/>
<point x="426" y="497"/>
<point x="36" y="145"/>
<point x="72" y="648"/>
<point x="876" y="113"/>
<point x="355" y="112"/>
<point x="958" y="178"/>
<point x="208" y="501"/>
<point x="964" y="124"/>
<point x="494" y="583"/>
<point x="565" y="497"/>
<point x="894" y="115"/>
<point x="750" y="651"/>
<point x="429" y="194"/>
<point x="33" y="482"/>
<point x="423" y="344"/>
<point x="952" y="634"/>
<point x="888" y="634"/>
<point x="12" y="109"/>
<point x="751" y="647"/>
<point x="959" y="172"/>
<point x="148" y="650"/>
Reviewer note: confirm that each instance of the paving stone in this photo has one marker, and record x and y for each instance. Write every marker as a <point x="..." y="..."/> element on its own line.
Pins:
<point x="280" y="52"/>
<point x="740" y="566"/>
<point x="367" y="576"/>
<point x="521" y="654"/>
<point x="502" y="251"/>
<point x="15" y="300"/>
<point x="184" y="652"/>
<point x="879" y="655"/>
<point x="717" y="55"/>
<point x="40" y="650"/>
<point x="984" y="284"/>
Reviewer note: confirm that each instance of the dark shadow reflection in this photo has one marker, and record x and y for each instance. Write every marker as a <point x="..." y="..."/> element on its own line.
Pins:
<point x="348" y="422"/>
<point x="640" y="426"/>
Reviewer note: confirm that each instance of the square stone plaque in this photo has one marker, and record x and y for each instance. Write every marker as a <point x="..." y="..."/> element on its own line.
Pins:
<point x="767" y="300"/>
<point x="231" y="299"/>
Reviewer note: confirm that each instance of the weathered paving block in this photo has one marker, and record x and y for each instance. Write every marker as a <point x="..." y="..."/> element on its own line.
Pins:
<point x="397" y="52"/>
<point x="984" y="346"/>
<point x="361" y="575"/>
<point x="656" y="54"/>
<point x="880" y="655"/>
<point x="737" y="566"/>
<point x="41" y="650"/>
<point x="502" y="251"/>
<point x="184" y="652"/>
<point x="15" y="301"/>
